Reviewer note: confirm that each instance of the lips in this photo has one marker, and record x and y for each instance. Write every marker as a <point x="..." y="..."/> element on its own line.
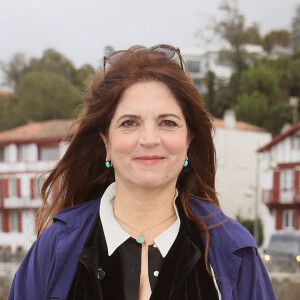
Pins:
<point x="151" y="159"/>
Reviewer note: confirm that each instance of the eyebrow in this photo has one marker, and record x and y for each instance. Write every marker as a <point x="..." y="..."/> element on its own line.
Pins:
<point x="138" y="117"/>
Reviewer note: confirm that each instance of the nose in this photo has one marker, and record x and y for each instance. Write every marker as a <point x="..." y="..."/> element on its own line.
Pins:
<point x="149" y="137"/>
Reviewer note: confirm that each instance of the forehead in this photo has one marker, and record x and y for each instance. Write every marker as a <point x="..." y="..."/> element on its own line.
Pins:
<point x="148" y="98"/>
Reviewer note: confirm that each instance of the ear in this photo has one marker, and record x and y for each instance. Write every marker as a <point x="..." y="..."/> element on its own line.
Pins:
<point x="105" y="141"/>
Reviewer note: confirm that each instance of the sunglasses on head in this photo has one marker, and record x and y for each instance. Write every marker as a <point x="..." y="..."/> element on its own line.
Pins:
<point x="165" y="50"/>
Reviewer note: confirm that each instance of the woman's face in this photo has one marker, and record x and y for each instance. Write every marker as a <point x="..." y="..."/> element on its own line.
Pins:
<point x="148" y="137"/>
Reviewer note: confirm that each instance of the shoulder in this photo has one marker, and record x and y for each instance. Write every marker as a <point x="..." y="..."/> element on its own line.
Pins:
<point x="224" y="230"/>
<point x="54" y="254"/>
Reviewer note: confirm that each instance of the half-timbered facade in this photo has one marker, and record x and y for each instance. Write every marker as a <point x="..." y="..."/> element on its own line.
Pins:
<point x="281" y="177"/>
<point x="26" y="153"/>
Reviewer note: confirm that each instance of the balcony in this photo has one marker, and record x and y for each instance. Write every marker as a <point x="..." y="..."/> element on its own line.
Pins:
<point x="16" y="203"/>
<point x="284" y="196"/>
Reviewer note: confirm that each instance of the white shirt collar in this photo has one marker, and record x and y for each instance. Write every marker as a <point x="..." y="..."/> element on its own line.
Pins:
<point x="115" y="235"/>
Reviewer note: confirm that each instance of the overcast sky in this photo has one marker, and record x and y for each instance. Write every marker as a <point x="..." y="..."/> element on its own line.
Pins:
<point x="81" y="29"/>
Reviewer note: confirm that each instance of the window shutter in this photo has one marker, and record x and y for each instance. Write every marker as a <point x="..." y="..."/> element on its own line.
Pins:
<point x="296" y="185"/>
<point x="276" y="187"/>
<point x="297" y="219"/>
<point x="278" y="219"/>
<point x="20" y="221"/>
<point x="32" y="188"/>
<point x="5" y="221"/>
<point x="19" y="187"/>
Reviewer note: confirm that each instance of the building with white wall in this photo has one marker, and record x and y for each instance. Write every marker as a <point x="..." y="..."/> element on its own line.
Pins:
<point x="26" y="152"/>
<point x="214" y="57"/>
<point x="280" y="160"/>
<point x="236" y="143"/>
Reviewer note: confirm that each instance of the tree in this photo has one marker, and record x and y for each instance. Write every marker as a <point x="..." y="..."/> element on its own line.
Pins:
<point x="259" y="101"/>
<point x="233" y="30"/>
<point x="296" y="29"/>
<point x="43" y="96"/>
<point x="5" y="104"/>
<point x="281" y="38"/>
<point x="262" y="79"/>
<point x="15" y="69"/>
<point x="51" y="61"/>
<point x="253" y="108"/>
<point x="252" y="35"/>
<point x="209" y="97"/>
<point x="84" y="76"/>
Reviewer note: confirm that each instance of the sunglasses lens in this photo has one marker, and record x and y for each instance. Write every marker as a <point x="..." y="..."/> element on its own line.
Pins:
<point x="113" y="57"/>
<point x="168" y="52"/>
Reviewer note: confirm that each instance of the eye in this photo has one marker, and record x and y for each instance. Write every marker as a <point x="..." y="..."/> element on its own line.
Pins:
<point x="169" y="123"/>
<point x="128" y="123"/>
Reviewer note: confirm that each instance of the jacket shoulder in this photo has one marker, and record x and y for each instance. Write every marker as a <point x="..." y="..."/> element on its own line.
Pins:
<point x="223" y="229"/>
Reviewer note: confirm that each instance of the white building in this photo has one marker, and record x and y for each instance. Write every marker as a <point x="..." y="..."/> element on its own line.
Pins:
<point x="236" y="144"/>
<point x="26" y="152"/>
<point x="280" y="160"/>
<point x="200" y="60"/>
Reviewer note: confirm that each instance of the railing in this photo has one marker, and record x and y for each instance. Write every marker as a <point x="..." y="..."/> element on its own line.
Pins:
<point x="283" y="196"/>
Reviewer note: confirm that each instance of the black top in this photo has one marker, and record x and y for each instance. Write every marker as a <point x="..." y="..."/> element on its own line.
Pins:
<point x="117" y="277"/>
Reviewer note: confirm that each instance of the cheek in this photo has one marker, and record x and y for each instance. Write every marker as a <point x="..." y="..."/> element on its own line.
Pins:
<point x="176" y="144"/>
<point x="123" y="144"/>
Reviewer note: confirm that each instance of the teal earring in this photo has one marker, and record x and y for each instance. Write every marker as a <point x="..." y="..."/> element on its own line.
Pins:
<point x="108" y="164"/>
<point x="186" y="162"/>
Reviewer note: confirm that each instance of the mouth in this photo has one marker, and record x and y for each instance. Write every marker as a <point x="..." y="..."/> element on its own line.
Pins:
<point x="149" y="160"/>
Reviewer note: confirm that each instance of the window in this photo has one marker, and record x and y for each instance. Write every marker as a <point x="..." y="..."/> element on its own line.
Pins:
<point x="22" y="153"/>
<point x="287" y="179"/>
<point x="13" y="221"/>
<point x="36" y="185"/>
<point x="12" y="187"/>
<point x="288" y="219"/>
<point x="296" y="141"/>
<point x="193" y="66"/>
<point x="2" y="154"/>
<point x="49" y="153"/>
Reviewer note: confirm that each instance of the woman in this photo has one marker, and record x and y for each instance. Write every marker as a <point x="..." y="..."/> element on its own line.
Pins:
<point x="144" y="146"/>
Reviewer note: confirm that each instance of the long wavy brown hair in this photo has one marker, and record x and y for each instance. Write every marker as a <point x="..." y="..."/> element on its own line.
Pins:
<point x="81" y="174"/>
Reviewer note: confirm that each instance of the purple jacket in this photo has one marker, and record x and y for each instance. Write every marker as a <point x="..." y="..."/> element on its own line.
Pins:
<point x="48" y="268"/>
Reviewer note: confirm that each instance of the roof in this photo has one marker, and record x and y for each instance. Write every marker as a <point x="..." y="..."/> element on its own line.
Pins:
<point x="6" y="93"/>
<point x="280" y="137"/>
<point x="45" y="131"/>
<point x="239" y="125"/>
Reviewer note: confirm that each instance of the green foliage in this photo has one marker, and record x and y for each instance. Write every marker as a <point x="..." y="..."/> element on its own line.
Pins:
<point x="51" y="61"/>
<point x="259" y="78"/>
<point x="15" y="69"/>
<point x="233" y="30"/>
<point x="253" y="108"/>
<point x="259" y="99"/>
<point x="209" y="97"/>
<point x="249" y="224"/>
<point x="277" y="37"/>
<point x="46" y="88"/>
<point x="5" y="102"/>
<point x="252" y="35"/>
<point x="43" y="96"/>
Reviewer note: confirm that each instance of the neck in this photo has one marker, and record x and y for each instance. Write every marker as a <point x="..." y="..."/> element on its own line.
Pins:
<point x="143" y="207"/>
